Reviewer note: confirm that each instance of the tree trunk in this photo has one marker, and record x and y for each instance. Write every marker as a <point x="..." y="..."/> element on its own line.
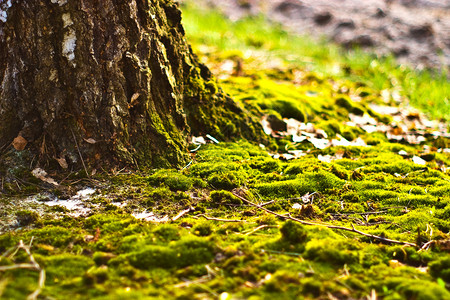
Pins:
<point x="107" y="82"/>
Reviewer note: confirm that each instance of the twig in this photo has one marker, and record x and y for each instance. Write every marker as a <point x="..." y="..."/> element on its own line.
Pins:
<point x="187" y="166"/>
<point x="33" y="265"/>
<point x="182" y="213"/>
<point x="196" y="149"/>
<point x="361" y="213"/>
<point x="259" y="228"/>
<point x="79" y="153"/>
<point x="268" y="202"/>
<point x="281" y="252"/>
<point x="353" y="229"/>
<point x="427" y="245"/>
<point x="216" y="219"/>
<point x="187" y="283"/>
<point x="212" y="138"/>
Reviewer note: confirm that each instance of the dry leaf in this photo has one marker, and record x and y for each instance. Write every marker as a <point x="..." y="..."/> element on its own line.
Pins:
<point x="90" y="141"/>
<point x="198" y="140"/>
<point x="42" y="175"/>
<point x="296" y="206"/>
<point x="325" y="158"/>
<point x="62" y="162"/>
<point x="19" y="143"/>
<point x="418" y="161"/>
<point x="319" y="143"/>
<point x="266" y="125"/>
<point x="393" y="263"/>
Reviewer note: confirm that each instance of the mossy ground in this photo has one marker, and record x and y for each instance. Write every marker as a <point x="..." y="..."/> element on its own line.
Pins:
<point x="221" y="247"/>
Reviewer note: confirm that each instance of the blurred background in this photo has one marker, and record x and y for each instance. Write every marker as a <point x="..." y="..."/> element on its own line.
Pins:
<point x="416" y="32"/>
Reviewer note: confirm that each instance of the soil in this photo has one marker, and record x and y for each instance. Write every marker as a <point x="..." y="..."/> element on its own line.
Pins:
<point x="417" y="32"/>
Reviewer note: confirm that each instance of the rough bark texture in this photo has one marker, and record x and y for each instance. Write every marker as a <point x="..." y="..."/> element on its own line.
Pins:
<point x="113" y="79"/>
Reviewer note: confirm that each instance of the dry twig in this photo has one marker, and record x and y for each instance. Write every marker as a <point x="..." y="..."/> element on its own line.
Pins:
<point x="182" y="213"/>
<point x="79" y="153"/>
<point x="216" y="219"/>
<point x="33" y="265"/>
<point x="353" y="229"/>
<point x="259" y="228"/>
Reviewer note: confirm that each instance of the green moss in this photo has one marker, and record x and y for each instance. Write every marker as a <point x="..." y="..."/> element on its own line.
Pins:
<point x="349" y="105"/>
<point x="418" y="289"/>
<point x="203" y="229"/>
<point x="224" y="198"/>
<point x="65" y="267"/>
<point x="226" y="181"/>
<point x="293" y="232"/>
<point x="172" y="179"/>
<point x="335" y="252"/>
<point x="185" y="252"/>
<point x="167" y="233"/>
<point x="441" y="268"/>
<point x="153" y="256"/>
<point x="26" y="217"/>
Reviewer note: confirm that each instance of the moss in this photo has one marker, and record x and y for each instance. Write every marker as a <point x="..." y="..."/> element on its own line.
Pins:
<point x="167" y="233"/>
<point x="102" y="258"/>
<point x="418" y="289"/>
<point x="26" y="217"/>
<point x="267" y="219"/>
<point x="65" y="266"/>
<point x="293" y="232"/>
<point x="266" y="165"/>
<point x="183" y="253"/>
<point x="353" y="108"/>
<point x="281" y="281"/>
<point x="153" y="256"/>
<point x="331" y="127"/>
<point x="322" y="180"/>
<point x="224" y="198"/>
<point x="440" y="268"/>
<point x="203" y="229"/>
<point x="172" y="179"/>
<point x="226" y="181"/>
<point x="192" y="250"/>
<point x="334" y="252"/>
<point x="55" y="236"/>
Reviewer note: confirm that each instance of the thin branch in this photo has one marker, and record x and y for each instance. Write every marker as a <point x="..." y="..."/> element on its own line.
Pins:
<point x="216" y="219"/>
<point x="187" y="166"/>
<point x="427" y="245"/>
<point x="361" y="213"/>
<point x="18" y="266"/>
<point x="182" y="213"/>
<point x="353" y="229"/>
<point x="259" y="228"/>
<point x="268" y="202"/>
<point x="33" y="265"/>
<point x="79" y="153"/>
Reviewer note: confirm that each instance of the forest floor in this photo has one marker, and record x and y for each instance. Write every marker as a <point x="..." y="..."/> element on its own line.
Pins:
<point x="417" y="32"/>
<point x="348" y="199"/>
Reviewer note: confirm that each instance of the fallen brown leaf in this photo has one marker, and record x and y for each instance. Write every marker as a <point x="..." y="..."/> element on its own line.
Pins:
<point x="19" y="143"/>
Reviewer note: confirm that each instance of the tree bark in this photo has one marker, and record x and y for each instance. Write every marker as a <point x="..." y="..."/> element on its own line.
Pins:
<point x="107" y="82"/>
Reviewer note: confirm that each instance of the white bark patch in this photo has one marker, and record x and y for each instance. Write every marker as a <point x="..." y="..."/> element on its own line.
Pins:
<point x="70" y="39"/>
<point x="4" y="10"/>
<point x="67" y="20"/>
<point x="60" y="2"/>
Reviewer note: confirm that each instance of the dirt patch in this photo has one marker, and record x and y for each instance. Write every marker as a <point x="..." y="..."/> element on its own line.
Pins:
<point x="417" y="32"/>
